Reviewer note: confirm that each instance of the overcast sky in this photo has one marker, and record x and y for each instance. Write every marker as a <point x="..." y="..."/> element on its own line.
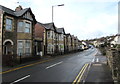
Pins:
<point x="85" y="19"/>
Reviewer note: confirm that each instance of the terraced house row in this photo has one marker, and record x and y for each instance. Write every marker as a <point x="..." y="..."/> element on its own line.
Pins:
<point x="21" y="35"/>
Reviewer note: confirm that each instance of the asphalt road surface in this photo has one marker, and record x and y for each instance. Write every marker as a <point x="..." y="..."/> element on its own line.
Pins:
<point x="62" y="69"/>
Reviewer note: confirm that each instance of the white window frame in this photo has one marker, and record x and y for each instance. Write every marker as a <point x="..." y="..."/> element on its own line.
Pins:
<point x="20" y="29"/>
<point x="10" y="25"/>
<point x="29" y="28"/>
<point x="24" y="26"/>
<point x="28" y="47"/>
<point x="24" y="46"/>
<point x="20" y="47"/>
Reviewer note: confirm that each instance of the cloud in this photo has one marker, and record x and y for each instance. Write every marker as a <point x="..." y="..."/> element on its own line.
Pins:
<point x="100" y="25"/>
<point x="96" y="0"/>
<point x="83" y="18"/>
<point x="11" y="4"/>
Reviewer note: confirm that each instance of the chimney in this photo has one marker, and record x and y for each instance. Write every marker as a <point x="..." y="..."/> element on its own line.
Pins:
<point x="18" y="8"/>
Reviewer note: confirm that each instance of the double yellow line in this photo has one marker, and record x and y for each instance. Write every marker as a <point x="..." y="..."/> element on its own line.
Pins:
<point x="79" y="76"/>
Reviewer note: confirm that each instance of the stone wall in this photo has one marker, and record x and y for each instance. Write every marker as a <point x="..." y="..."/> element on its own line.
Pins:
<point x="1" y="16"/>
<point x="10" y="35"/>
<point x="113" y="56"/>
<point x="0" y="33"/>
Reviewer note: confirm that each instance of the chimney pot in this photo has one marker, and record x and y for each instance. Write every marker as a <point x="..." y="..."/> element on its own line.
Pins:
<point x="18" y="8"/>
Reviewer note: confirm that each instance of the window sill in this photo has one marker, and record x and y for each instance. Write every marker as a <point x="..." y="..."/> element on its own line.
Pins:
<point x="8" y="31"/>
<point x="24" y="32"/>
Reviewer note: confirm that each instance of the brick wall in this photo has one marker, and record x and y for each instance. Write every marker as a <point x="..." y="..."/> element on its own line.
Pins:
<point x="39" y="31"/>
<point x="40" y="35"/>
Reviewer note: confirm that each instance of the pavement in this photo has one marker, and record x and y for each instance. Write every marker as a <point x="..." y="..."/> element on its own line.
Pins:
<point x="99" y="72"/>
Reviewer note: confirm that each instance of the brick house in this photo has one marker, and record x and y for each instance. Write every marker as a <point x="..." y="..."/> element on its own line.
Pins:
<point x="16" y="32"/>
<point x="40" y="40"/>
<point x="61" y="35"/>
<point x="51" y="38"/>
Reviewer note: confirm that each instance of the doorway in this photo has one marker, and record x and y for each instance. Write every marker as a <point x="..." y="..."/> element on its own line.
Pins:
<point x="8" y="48"/>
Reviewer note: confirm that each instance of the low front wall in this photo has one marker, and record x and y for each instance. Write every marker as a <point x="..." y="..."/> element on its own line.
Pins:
<point x="1" y="21"/>
<point x="113" y="56"/>
<point x="14" y="59"/>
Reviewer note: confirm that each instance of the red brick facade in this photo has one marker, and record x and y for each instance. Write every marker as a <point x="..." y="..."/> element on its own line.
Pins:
<point x="39" y="39"/>
<point x="39" y="31"/>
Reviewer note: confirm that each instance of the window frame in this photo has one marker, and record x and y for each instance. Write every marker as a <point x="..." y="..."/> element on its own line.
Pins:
<point x="48" y="34"/>
<point x="26" y="23"/>
<point x="24" y="46"/>
<point x="9" y="18"/>
<point x="18" y="30"/>
<point x="28" y="47"/>
<point x="19" y="48"/>
<point x="24" y="26"/>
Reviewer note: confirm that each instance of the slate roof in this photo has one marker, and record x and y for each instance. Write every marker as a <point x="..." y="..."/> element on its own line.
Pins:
<point x="12" y="12"/>
<point x="68" y="34"/>
<point x="7" y="10"/>
<point x="20" y="13"/>
<point x="17" y="13"/>
<point x="49" y="26"/>
<point x="60" y="30"/>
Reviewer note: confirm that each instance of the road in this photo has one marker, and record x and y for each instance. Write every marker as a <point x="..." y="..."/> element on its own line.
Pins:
<point x="62" y="69"/>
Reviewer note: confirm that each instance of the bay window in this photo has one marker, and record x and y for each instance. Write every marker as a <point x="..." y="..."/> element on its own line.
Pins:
<point x="27" y="27"/>
<point x="23" y="47"/>
<point x="20" y="47"/>
<point x="20" y="26"/>
<point x="27" y="47"/>
<point x="24" y="26"/>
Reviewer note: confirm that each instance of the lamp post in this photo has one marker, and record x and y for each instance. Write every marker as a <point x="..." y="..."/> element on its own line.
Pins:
<point x="53" y="7"/>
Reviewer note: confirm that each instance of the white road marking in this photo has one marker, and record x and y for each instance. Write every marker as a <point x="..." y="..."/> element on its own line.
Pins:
<point x="20" y="79"/>
<point x="94" y="55"/>
<point x="97" y="60"/>
<point x="53" y="65"/>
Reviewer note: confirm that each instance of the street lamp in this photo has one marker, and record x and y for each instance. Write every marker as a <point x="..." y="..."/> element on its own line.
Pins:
<point x="52" y="9"/>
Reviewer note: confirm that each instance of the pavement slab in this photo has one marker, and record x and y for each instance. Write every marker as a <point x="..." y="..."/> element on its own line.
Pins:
<point x="99" y="74"/>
